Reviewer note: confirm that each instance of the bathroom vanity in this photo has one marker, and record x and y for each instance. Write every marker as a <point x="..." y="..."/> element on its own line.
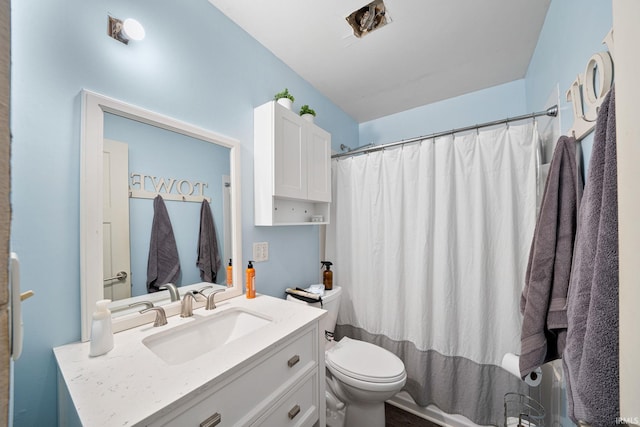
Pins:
<point x="266" y="368"/>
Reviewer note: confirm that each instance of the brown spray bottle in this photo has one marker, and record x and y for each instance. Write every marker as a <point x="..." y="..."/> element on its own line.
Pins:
<point x="327" y="275"/>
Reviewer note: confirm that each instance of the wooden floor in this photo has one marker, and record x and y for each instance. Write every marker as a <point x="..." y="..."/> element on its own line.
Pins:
<point x="396" y="417"/>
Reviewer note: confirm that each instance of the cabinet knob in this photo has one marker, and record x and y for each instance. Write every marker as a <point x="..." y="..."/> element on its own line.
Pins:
<point x="212" y="421"/>
<point x="291" y="362"/>
<point x="294" y="411"/>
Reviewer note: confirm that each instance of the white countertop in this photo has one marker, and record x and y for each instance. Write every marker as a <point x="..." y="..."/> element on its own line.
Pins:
<point x="130" y="384"/>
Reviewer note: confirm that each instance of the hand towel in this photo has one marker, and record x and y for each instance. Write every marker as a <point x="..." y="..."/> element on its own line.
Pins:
<point x="543" y="301"/>
<point x="163" y="265"/>
<point x="208" y="255"/>
<point x="590" y="358"/>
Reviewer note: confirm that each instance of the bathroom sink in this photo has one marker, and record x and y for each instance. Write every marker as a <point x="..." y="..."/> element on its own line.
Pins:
<point x="186" y="342"/>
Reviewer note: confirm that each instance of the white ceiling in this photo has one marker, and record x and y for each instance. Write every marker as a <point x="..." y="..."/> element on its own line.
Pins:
<point x="432" y="50"/>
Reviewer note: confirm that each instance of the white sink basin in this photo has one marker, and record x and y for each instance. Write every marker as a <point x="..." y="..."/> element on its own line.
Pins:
<point x="186" y="342"/>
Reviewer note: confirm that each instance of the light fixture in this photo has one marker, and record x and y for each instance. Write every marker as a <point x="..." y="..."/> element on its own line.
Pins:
<point x="369" y="18"/>
<point x="126" y="30"/>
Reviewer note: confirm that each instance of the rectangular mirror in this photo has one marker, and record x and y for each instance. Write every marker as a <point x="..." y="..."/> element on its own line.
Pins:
<point x="146" y="154"/>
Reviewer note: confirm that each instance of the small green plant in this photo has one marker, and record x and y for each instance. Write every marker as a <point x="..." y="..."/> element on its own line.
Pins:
<point x="306" y="110"/>
<point x="284" y="94"/>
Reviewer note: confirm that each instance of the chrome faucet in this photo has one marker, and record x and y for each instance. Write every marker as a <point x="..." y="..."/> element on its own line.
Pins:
<point x="173" y="291"/>
<point x="161" y="317"/>
<point x="187" y="303"/>
<point x="210" y="299"/>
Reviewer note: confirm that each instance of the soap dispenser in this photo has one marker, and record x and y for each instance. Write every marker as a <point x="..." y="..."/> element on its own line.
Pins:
<point x="327" y="275"/>
<point x="251" y="281"/>
<point x="101" y="331"/>
<point x="229" y="274"/>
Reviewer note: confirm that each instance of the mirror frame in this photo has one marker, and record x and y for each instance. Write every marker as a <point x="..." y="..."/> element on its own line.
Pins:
<point x="91" y="199"/>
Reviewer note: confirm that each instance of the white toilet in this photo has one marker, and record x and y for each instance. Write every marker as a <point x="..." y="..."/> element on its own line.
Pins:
<point x="360" y="375"/>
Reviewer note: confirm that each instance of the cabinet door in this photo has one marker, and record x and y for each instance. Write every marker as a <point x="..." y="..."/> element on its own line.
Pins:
<point x="318" y="164"/>
<point x="290" y="155"/>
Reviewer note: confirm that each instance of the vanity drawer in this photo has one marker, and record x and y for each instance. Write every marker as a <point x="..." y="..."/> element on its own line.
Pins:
<point x="299" y="407"/>
<point x="244" y="398"/>
<point x="294" y="358"/>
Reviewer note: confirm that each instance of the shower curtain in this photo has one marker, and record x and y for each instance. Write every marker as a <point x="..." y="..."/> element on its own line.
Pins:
<point x="430" y="243"/>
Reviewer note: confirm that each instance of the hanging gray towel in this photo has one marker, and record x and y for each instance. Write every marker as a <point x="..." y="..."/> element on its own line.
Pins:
<point x="208" y="256"/>
<point x="591" y="355"/>
<point x="163" y="265"/>
<point x="544" y="298"/>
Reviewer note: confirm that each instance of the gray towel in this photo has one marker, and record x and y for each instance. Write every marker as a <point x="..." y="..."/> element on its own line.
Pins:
<point x="591" y="355"/>
<point x="544" y="298"/>
<point x="163" y="265"/>
<point x="208" y="256"/>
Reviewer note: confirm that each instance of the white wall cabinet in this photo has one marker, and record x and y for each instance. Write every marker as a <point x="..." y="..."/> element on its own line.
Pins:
<point x="292" y="168"/>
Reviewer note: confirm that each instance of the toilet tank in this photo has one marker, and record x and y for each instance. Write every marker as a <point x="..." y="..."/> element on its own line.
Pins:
<point x="331" y="303"/>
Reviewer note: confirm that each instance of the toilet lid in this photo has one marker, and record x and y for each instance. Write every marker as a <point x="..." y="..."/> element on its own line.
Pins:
<point x="365" y="361"/>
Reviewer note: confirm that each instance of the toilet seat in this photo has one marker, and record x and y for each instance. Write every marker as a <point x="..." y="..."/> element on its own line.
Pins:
<point x="365" y="365"/>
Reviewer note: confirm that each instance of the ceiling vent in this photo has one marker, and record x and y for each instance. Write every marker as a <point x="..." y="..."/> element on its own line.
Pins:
<point x="368" y="18"/>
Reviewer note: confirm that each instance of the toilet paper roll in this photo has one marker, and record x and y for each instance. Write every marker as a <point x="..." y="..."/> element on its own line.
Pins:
<point x="511" y="363"/>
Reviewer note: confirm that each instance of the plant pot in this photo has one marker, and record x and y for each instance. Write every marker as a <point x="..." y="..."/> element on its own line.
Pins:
<point x="308" y="117"/>
<point x="285" y="102"/>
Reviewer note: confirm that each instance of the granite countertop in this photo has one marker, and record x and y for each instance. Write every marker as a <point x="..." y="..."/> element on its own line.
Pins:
<point x="130" y="384"/>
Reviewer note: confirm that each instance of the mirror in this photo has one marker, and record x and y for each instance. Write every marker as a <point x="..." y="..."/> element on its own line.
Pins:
<point x="153" y="142"/>
<point x="140" y="162"/>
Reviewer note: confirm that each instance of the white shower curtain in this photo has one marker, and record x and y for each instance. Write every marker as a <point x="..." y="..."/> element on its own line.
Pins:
<point x="430" y="243"/>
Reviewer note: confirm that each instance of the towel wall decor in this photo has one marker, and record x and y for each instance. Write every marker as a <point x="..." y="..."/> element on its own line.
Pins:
<point x="589" y="89"/>
<point x="169" y="188"/>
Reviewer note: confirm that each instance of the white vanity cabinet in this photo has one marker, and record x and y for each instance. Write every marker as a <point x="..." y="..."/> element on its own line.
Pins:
<point x="273" y="376"/>
<point x="292" y="168"/>
<point x="280" y="389"/>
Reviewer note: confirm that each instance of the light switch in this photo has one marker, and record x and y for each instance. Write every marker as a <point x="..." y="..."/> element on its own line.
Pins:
<point x="261" y="251"/>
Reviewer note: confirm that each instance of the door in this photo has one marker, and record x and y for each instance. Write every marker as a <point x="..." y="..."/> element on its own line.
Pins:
<point x="115" y="223"/>
<point x="5" y="211"/>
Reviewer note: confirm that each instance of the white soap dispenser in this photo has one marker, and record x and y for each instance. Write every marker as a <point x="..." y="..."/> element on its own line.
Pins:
<point x="101" y="332"/>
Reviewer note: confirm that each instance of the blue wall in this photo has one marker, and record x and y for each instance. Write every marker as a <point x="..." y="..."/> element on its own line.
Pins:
<point x="194" y="65"/>
<point x="572" y="32"/>
<point x="197" y="66"/>
<point x="477" y="107"/>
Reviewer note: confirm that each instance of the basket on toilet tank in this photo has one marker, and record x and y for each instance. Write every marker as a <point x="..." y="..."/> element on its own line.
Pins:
<point x="329" y="301"/>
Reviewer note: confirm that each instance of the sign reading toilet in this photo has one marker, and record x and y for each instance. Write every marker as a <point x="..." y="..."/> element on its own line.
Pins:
<point x="149" y="186"/>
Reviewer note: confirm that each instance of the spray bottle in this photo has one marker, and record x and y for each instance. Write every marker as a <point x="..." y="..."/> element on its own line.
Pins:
<point x="229" y="274"/>
<point x="251" y="281"/>
<point x="327" y="275"/>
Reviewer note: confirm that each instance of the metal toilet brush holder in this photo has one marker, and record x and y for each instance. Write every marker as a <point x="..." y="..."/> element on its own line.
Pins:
<point x="522" y="411"/>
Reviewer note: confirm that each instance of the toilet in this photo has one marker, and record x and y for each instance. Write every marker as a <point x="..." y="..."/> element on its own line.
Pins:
<point x="360" y="375"/>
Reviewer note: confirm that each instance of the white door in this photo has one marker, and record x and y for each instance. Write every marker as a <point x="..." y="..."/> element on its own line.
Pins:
<point x="115" y="224"/>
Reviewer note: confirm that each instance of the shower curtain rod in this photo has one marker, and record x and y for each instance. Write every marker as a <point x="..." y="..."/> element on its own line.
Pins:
<point x="551" y="112"/>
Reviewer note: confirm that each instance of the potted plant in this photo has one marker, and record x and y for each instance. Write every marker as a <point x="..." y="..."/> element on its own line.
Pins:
<point x="307" y="113"/>
<point x="284" y="98"/>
